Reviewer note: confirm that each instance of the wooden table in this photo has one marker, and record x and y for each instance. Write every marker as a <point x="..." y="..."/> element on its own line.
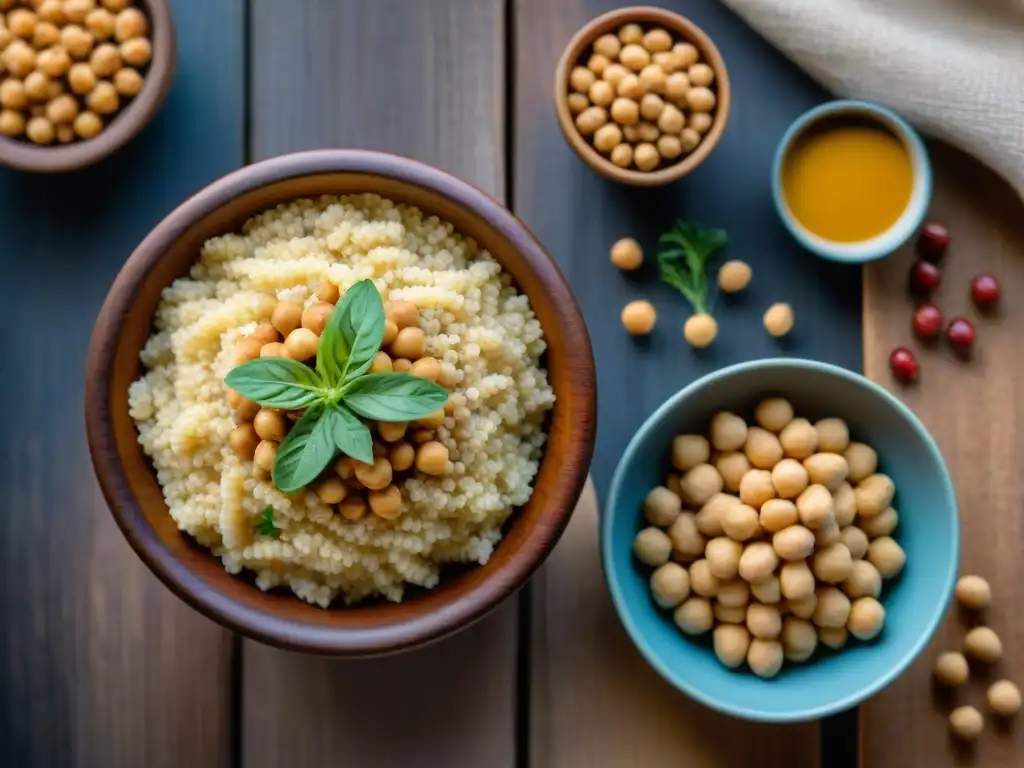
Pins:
<point x="102" y="666"/>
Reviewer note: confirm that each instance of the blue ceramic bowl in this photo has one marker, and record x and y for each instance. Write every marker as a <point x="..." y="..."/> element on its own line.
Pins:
<point x="903" y="228"/>
<point x="915" y="602"/>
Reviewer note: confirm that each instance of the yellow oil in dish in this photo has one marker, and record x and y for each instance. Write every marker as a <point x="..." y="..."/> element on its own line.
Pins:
<point x="847" y="182"/>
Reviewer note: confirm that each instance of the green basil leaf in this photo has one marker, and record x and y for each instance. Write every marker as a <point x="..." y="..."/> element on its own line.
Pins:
<point x="276" y="382"/>
<point x="393" y="396"/>
<point x="351" y="436"/>
<point x="305" y="452"/>
<point x="353" y="334"/>
<point x="265" y="524"/>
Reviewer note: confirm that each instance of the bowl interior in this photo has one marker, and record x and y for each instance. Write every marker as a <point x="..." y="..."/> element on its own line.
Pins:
<point x="127" y="477"/>
<point x="917" y="207"/>
<point x="928" y="530"/>
<point x="646" y="16"/>
<point x="125" y="125"/>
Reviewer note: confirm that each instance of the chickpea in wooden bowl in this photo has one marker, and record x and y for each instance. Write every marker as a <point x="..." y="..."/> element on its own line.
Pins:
<point x="642" y="95"/>
<point x="79" y="78"/>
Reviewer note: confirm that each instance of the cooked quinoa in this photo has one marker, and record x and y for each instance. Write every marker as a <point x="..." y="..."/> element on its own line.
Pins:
<point x="474" y="318"/>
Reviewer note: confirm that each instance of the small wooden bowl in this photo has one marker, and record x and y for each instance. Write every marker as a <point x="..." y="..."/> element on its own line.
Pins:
<point x="680" y="27"/>
<point x="57" y="158"/>
<point x="127" y="477"/>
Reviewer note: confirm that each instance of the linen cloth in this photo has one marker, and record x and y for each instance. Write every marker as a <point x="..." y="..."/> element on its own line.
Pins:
<point x="953" y="68"/>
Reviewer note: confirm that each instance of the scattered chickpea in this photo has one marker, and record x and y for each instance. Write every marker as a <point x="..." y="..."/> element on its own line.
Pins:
<point x="966" y="722"/>
<point x="639" y="317"/>
<point x="768" y="590"/>
<point x="700" y="99"/>
<point x="652" y="547"/>
<point x="714" y="505"/>
<point x="626" y="254"/>
<point x="765" y="657"/>
<point x="732" y="466"/>
<point x="88" y="125"/>
<point x="45" y="35"/>
<point x="973" y="592"/>
<point x="316" y="315"/>
<point x="677" y="85"/>
<point x="758" y="561"/>
<point x="951" y="669"/>
<point x="793" y="543"/>
<point x="671" y="120"/>
<point x="244" y="408"/>
<point x="103" y="99"/>
<point x="130" y="22"/>
<point x="12" y="94"/>
<point x="756" y="488"/>
<point x="778" y="319"/>
<point x="402" y="456"/>
<point x="76" y="41"/>
<point x="631" y="33"/>
<point x="625" y="111"/>
<point x="401" y="365"/>
<point x="40" y="130"/>
<point x="833" y="565"/>
<point x="607" y="137"/>
<point x="731" y="643"/>
<point x="580" y="79"/>
<point x="740" y="522"/>
<point x="762" y="448"/>
<point x="12" y="123"/>
<point x="608" y="45"/>
<point x="701" y="484"/>
<point x="789" y="478"/>
<point x="386" y="503"/>
<point x="983" y="644"/>
<point x="244" y="441"/>
<point x="827" y="469"/>
<point x="778" y="514"/>
<point x="105" y="60"/>
<point x="833" y="610"/>
<point x="700" y="330"/>
<point x="1003" y="698"/>
<point x="613" y="75"/>
<point x="81" y="78"/>
<point x="799" y="438"/>
<point x="689" y="139"/>
<point x="799" y="638"/>
<point x="669" y="147"/>
<point x="855" y="540"/>
<point x="734" y="276"/>
<point x="701" y="75"/>
<point x="427" y="368"/>
<point x="137" y="52"/>
<point x="646" y="156"/>
<point x="880" y="525"/>
<point x="834" y="637"/>
<point x="651" y="106"/>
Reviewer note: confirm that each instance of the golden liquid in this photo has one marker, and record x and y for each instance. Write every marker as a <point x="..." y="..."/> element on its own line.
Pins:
<point x="847" y="183"/>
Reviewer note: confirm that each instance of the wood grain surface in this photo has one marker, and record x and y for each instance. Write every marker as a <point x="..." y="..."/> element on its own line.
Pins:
<point x="974" y="411"/>
<point x="592" y="696"/>
<point x="99" y="664"/>
<point x="424" y="80"/>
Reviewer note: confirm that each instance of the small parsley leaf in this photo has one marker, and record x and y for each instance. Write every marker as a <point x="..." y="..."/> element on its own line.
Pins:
<point x="265" y="524"/>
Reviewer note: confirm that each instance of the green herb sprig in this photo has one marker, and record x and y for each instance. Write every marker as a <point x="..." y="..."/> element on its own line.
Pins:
<point x="684" y="263"/>
<point x="337" y="392"/>
<point x="265" y="524"/>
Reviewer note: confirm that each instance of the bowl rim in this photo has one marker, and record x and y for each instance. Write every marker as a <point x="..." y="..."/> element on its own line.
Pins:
<point x="268" y="626"/>
<point x="672" y="676"/>
<point x="899" y="231"/>
<point x="128" y="123"/>
<point x="685" y="28"/>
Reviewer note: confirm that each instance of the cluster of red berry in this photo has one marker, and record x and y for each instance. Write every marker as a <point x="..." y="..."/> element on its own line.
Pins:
<point x="928" y="321"/>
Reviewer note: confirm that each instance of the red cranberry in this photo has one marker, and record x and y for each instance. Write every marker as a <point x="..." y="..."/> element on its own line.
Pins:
<point x="960" y="334"/>
<point x="985" y="291"/>
<point x="904" y="365"/>
<point x="924" y="278"/>
<point x="927" y="322"/>
<point x="933" y="241"/>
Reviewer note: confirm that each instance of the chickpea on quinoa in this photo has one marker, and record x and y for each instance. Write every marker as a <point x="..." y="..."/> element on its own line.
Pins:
<point x="767" y="546"/>
<point x="67" y="65"/>
<point x="480" y="331"/>
<point x="642" y="97"/>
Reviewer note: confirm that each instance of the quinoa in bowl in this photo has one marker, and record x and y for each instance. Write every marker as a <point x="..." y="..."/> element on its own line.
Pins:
<point x="477" y="326"/>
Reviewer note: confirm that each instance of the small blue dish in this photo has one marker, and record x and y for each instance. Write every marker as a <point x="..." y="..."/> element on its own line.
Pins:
<point x="915" y="602"/>
<point x="903" y="228"/>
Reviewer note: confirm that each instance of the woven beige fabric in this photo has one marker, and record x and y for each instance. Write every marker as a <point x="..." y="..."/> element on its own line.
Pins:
<point x="953" y="68"/>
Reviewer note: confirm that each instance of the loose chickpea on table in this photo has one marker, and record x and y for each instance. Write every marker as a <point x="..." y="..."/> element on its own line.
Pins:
<point x="768" y="546"/>
<point x="352" y="487"/>
<point x="643" y="97"/>
<point x="69" y="67"/>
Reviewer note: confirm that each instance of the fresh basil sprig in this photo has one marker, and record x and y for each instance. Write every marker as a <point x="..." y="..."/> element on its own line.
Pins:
<point x="337" y="392"/>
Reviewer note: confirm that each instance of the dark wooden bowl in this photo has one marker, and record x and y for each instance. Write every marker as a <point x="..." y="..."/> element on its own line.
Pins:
<point x="126" y="125"/>
<point x="680" y="27"/>
<point x="127" y="478"/>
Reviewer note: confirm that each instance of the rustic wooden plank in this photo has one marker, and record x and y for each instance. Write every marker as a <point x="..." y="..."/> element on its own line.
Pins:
<point x="425" y="80"/>
<point x="973" y="410"/>
<point x="100" y="665"/>
<point x="593" y="699"/>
